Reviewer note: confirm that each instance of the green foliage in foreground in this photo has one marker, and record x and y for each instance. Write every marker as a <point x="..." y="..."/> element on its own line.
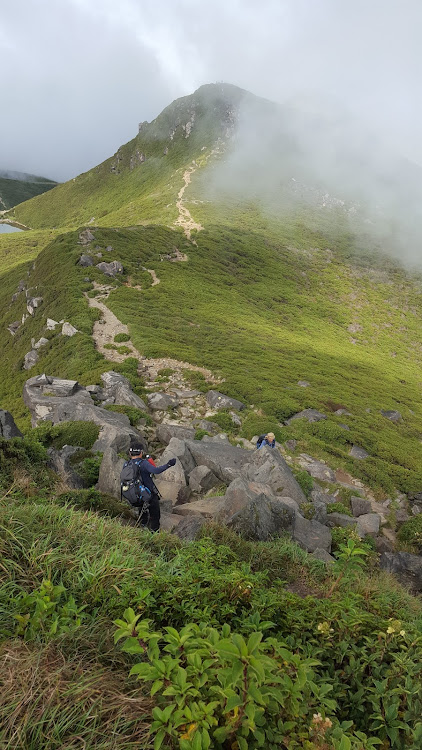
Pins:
<point x="410" y="533"/>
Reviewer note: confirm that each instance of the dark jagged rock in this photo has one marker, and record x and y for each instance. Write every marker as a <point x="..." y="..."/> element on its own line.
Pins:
<point x="393" y="416"/>
<point x="8" y="428"/>
<point x="189" y="528"/>
<point x="110" y="269"/>
<point x="311" y="535"/>
<point x="312" y="415"/>
<point x="161" y="401"/>
<point x="360" y="506"/>
<point x="165" y="432"/>
<point x="406" y="567"/>
<point x="60" y="462"/>
<point x="340" y="519"/>
<point x="268" y="466"/>
<point x="109" y="477"/>
<point x="202" y="479"/>
<point x="85" y="261"/>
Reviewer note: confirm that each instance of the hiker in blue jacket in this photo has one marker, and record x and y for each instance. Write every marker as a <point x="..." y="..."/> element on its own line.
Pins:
<point x="268" y="439"/>
<point x="150" y="517"/>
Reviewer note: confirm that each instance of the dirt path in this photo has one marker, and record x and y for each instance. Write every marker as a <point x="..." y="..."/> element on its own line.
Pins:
<point x="109" y="325"/>
<point x="185" y="219"/>
<point x="155" y="279"/>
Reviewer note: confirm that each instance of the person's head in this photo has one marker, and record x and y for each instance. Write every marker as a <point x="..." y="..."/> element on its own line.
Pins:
<point x="270" y="437"/>
<point x="136" y="450"/>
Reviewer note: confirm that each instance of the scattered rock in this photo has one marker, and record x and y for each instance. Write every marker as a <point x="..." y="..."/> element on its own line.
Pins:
<point x="179" y="450"/>
<point x="117" y="388"/>
<point x="109" y="478"/>
<point x="303" y="383"/>
<point x="33" y="303"/>
<point x="312" y="415"/>
<point x="340" y="519"/>
<point x="208" y="507"/>
<point x="189" y="528"/>
<point x="161" y="401"/>
<point x="317" y="496"/>
<point x="165" y="432"/>
<point x="217" y="400"/>
<point x="68" y="329"/>
<point x="267" y="466"/>
<point x="290" y="445"/>
<point x="311" y="535"/>
<point x="137" y="158"/>
<point x="393" y="416"/>
<point x="224" y="460"/>
<point x="13" y="327"/>
<point x="110" y="269"/>
<point x="30" y="359"/>
<point x="41" y="342"/>
<point x="368" y="524"/>
<point x="357" y="452"/>
<point x="85" y="261"/>
<point x="109" y="249"/>
<point x="316" y="469"/>
<point x="322" y="554"/>
<point x="204" y="424"/>
<point x="253" y="512"/>
<point x="407" y="568"/>
<point x="85" y="237"/>
<point x="51" y="324"/>
<point x="202" y="479"/>
<point x="341" y="411"/>
<point x="8" y="428"/>
<point x="360" y="506"/>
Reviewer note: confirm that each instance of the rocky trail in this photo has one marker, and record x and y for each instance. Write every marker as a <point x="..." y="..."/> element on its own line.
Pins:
<point x="185" y="219"/>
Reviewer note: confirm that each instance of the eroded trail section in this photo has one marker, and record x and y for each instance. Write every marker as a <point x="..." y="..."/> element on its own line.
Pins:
<point x="185" y="219"/>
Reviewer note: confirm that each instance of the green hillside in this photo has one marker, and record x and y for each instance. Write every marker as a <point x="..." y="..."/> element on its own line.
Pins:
<point x="17" y="190"/>
<point x="232" y="644"/>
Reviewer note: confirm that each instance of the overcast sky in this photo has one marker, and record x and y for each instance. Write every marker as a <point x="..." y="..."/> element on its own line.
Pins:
<point x="78" y="75"/>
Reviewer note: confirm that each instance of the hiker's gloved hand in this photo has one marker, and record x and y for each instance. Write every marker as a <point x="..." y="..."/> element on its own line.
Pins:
<point x="172" y="462"/>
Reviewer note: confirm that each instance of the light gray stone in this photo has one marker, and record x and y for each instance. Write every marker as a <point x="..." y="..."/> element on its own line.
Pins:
<point x="165" y="432"/>
<point x="368" y="524"/>
<point x="85" y="261"/>
<point x="393" y="416"/>
<point x="109" y="478"/>
<point x="217" y="400"/>
<point x="110" y="269"/>
<point x="311" y="415"/>
<point x="406" y="567"/>
<point x="189" y="528"/>
<point x="59" y="461"/>
<point x="357" y="452"/>
<point x="161" y="401"/>
<point x="41" y="342"/>
<point x="207" y="507"/>
<point x="30" y="359"/>
<point x="224" y="460"/>
<point x="13" y="327"/>
<point x="268" y="466"/>
<point x="340" y="519"/>
<point x="86" y="237"/>
<point x="179" y="450"/>
<point x="317" y="469"/>
<point x="51" y="324"/>
<point x="202" y="479"/>
<point x="322" y="554"/>
<point x="68" y="329"/>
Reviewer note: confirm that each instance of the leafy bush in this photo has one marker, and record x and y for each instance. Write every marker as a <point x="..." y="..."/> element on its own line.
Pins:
<point x="196" y="380"/>
<point x="199" y="434"/>
<point x="304" y="479"/>
<point x="79" y="434"/>
<point x="224" y="690"/>
<point x="121" y="337"/>
<point x="339" y="508"/>
<point x="123" y="349"/>
<point x="26" y="454"/>
<point x="45" y="612"/>
<point x="87" y="466"/>
<point x="410" y="533"/>
<point x="255" y="424"/>
<point x="340" y="537"/>
<point x="224" y="421"/>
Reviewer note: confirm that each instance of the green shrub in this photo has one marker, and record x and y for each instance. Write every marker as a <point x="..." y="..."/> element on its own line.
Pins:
<point x="79" y="434"/>
<point x="224" y="421"/>
<point x="46" y="612"/>
<point x="340" y="536"/>
<point x="304" y="479"/>
<point x="121" y="337"/>
<point x="196" y="380"/>
<point x="124" y="350"/>
<point x="339" y="508"/>
<point x="134" y="415"/>
<point x="199" y="434"/>
<point x="410" y="533"/>
<point x="27" y="454"/>
<point x="165" y="372"/>
<point x="87" y="466"/>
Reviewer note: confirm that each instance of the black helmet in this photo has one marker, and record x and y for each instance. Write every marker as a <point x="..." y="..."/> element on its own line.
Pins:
<point x="135" y="449"/>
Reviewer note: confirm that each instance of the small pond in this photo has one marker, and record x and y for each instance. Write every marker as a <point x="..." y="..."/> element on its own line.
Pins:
<point x="8" y="228"/>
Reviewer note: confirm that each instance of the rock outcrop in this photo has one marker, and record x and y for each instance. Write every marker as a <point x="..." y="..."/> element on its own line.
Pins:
<point x="8" y="428"/>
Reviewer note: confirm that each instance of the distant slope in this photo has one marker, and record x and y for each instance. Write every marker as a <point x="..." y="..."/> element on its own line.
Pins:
<point x="17" y="187"/>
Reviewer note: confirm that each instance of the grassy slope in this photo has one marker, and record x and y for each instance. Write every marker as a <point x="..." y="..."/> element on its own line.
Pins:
<point x="13" y="192"/>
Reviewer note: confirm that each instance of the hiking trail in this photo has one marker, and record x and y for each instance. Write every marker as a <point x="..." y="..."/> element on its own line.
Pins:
<point x="185" y="219"/>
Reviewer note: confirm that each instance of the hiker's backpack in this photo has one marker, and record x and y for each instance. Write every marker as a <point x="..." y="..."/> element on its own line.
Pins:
<point x="131" y="487"/>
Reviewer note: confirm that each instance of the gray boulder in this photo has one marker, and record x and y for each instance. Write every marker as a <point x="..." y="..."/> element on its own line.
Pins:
<point x="41" y="342"/>
<point x="85" y="261"/>
<point x="322" y="554"/>
<point x="165" y="432"/>
<point x="118" y="388"/>
<point x="217" y="400"/>
<point x="340" y="519"/>
<point x="360" y="506"/>
<point x="317" y="469"/>
<point x="311" y="535"/>
<point x="320" y="513"/>
<point x="8" y="428"/>
<point x="406" y="567"/>
<point x="110" y="269"/>
<point x="224" y="460"/>
<point x="205" y="424"/>
<point x="208" y="507"/>
<point x="13" y="327"/>
<point x="393" y="416"/>
<point x="179" y="450"/>
<point x="189" y="528"/>
<point x="318" y="496"/>
<point x="69" y="330"/>
<point x="30" y="359"/>
<point x="202" y="479"/>
<point x="85" y="237"/>
<point x="33" y="303"/>
<point x="59" y="461"/>
<point x="161" y="401"/>
<point x="252" y="511"/>
<point x="267" y="466"/>
<point x="109" y="478"/>
<point x="357" y="452"/>
<point x="369" y="524"/>
<point x="312" y="415"/>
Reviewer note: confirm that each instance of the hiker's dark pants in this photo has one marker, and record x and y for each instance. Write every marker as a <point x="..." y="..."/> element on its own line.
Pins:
<point x="151" y="517"/>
